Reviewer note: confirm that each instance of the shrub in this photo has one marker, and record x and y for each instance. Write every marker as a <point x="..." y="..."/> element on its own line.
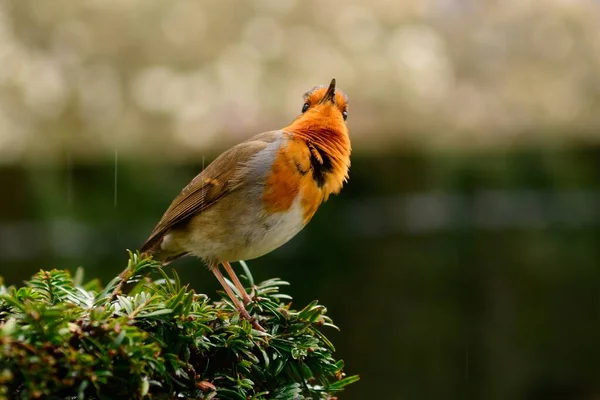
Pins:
<point x="63" y="339"/>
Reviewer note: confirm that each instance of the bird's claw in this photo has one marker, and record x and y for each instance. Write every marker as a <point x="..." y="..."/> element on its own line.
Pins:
<point x="246" y="299"/>
<point x="252" y="320"/>
<point x="249" y="298"/>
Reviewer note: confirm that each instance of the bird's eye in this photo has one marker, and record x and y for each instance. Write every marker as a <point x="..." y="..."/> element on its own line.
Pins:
<point x="305" y="107"/>
<point x="345" y="115"/>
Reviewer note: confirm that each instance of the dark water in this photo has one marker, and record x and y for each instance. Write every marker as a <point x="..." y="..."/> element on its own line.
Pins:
<point x="451" y="276"/>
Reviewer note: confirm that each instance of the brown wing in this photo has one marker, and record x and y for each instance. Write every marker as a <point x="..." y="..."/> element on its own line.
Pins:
<point x="224" y="175"/>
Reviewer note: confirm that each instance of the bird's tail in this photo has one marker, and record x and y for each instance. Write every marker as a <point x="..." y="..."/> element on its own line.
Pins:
<point x="158" y="254"/>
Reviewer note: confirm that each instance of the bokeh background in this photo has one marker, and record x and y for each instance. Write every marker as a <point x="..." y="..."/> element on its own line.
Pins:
<point x="462" y="260"/>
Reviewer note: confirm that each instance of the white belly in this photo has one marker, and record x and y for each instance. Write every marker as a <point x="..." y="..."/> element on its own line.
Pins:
<point x="251" y="235"/>
<point x="276" y="230"/>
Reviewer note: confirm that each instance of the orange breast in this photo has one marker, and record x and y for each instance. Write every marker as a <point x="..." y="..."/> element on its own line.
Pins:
<point x="291" y="176"/>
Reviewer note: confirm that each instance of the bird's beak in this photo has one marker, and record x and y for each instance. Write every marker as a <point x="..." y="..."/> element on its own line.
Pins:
<point x="330" y="93"/>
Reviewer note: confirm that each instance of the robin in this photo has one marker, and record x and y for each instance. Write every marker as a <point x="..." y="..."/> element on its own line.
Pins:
<point x="259" y="194"/>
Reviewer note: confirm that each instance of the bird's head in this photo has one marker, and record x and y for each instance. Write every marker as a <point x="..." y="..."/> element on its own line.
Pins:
<point x="324" y="106"/>
<point x="322" y="128"/>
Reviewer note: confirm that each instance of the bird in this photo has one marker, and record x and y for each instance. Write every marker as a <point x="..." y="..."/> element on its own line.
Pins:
<point x="258" y="194"/>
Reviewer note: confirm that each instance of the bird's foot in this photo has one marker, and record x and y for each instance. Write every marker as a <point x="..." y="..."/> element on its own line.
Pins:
<point x="247" y="299"/>
<point x="253" y="321"/>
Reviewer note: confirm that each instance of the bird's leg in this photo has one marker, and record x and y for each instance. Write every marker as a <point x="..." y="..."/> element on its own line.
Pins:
<point x="236" y="301"/>
<point x="237" y="283"/>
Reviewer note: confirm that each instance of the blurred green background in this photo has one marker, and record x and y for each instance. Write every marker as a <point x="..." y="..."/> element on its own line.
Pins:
<point x="462" y="259"/>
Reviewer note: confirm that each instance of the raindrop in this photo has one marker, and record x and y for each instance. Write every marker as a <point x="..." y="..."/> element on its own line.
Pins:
<point x="467" y="364"/>
<point x="69" y="167"/>
<point x="116" y="172"/>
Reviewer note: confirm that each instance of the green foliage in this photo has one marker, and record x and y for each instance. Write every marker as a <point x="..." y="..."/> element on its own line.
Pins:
<point x="62" y="339"/>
